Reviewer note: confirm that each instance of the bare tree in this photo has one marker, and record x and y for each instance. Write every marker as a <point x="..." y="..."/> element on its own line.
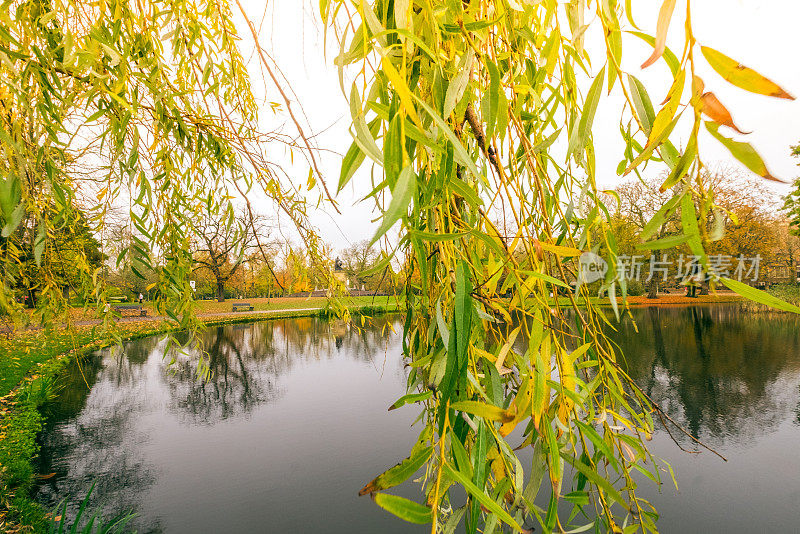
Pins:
<point x="222" y="243"/>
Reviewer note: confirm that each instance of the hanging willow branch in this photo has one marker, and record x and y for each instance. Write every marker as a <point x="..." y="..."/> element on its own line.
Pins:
<point x="497" y="362"/>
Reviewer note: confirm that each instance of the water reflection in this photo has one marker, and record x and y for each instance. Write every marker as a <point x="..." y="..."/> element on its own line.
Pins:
<point x="293" y="421"/>
<point x="722" y="374"/>
<point x="127" y="420"/>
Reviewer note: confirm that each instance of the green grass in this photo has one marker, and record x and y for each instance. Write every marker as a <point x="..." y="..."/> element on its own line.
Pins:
<point x="25" y="350"/>
<point x="212" y="307"/>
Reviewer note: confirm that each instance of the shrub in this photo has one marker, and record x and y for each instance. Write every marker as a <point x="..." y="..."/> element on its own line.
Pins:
<point x="635" y="288"/>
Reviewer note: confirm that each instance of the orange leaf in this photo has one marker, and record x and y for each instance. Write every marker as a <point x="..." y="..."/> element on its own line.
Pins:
<point x="716" y="111"/>
<point x="664" y="18"/>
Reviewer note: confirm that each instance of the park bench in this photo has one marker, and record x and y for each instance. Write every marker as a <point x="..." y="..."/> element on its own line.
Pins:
<point x="239" y="306"/>
<point x="121" y="308"/>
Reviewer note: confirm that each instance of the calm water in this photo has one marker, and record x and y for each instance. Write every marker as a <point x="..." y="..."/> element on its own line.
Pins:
<point x="294" y="422"/>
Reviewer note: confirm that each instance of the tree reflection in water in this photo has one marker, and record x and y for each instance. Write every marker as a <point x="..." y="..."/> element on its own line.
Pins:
<point x="725" y="375"/>
<point x="98" y="428"/>
<point x="135" y="425"/>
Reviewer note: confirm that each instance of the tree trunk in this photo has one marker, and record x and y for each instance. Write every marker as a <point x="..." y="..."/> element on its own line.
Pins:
<point x="220" y="290"/>
<point x="653" y="293"/>
<point x="704" y="288"/>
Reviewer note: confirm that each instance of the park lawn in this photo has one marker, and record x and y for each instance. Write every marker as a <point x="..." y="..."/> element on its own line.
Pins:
<point x="210" y="307"/>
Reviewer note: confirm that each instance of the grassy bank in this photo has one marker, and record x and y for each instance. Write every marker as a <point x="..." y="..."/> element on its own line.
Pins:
<point x="30" y="361"/>
<point x="788" y="292"/>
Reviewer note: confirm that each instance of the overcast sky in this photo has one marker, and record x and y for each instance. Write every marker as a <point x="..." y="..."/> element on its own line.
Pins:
<point x="762" y="34"/>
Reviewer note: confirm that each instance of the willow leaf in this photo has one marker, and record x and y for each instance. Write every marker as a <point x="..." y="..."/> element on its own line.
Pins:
<point x="756" y="295"/>
<point x="403" y="508"/>
<point x="741" y="76"/>
<point x="486" y="411"/>
<point x="399" y="473"/>
<point x="744" y="152"/>
<point x="481" y="497"/>
<point x="402" y="195"/>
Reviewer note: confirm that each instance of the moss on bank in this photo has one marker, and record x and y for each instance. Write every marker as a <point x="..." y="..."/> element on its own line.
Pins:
<point x="30" y="363"/>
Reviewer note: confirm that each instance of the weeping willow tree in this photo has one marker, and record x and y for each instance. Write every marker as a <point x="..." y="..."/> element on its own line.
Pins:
<point x="142" y="106"/>
<point x="478" y="118"/>
<point x="477" y="113"/>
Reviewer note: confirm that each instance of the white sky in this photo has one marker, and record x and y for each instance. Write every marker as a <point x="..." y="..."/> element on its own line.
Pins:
<point x="762" y="34"/>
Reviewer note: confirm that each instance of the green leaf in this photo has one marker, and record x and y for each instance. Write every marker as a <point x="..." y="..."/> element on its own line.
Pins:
<point x="756" y="295"/>
<point x="393" y="150"/>
<point x="642" y="103"/>
<point x="690" y="226"/>
<point x="547" y="278"/>
<point x="38" y="244"/>
<point x="667" y="242"/>
<point x="683" y="165"/>
<point x="484" y="499"/>
<point x="597" y="440"/>
<point x="458" y="148"/>
<point x="589" y="110"/>
<point x="744" y="152"/>
<point x="659" y="218"/>
<point x="463" y="311"/>
<point x="14" y="220"/>
<point x="669" y="56"/>
<point x="410" y="398"/>
<point x="350" y="164"/>
<point x="402" y="195"/>
<point x="595" y="478"/>
<point x="362" y="134"/>
<point x="399" y="473"/>
<point x="491" y="98"/>
<point x="463" y="189"/>
<point x="404" y="509"/>
<point x="455" y="90"/>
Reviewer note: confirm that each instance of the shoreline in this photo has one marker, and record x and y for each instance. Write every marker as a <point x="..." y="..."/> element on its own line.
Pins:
<point x="20" y="417"/>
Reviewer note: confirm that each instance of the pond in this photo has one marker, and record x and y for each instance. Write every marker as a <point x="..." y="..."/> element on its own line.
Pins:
<point x="294" y="421"/>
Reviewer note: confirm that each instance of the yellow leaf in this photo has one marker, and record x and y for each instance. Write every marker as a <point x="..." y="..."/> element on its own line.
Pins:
<point x="664" y="18"/>
<point x="541" y="390"/>
<point x="522" y="403"/>
<point x="501" y="357"/>
<point x="664" y="121"/>
<point x="667" y="113"/>
<point x="567" y="371"/>
<point x="486" y="411"/>
<point x="402" y="89"/>
<point x="559" y="250"/>
<point x="741" y="76"/>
